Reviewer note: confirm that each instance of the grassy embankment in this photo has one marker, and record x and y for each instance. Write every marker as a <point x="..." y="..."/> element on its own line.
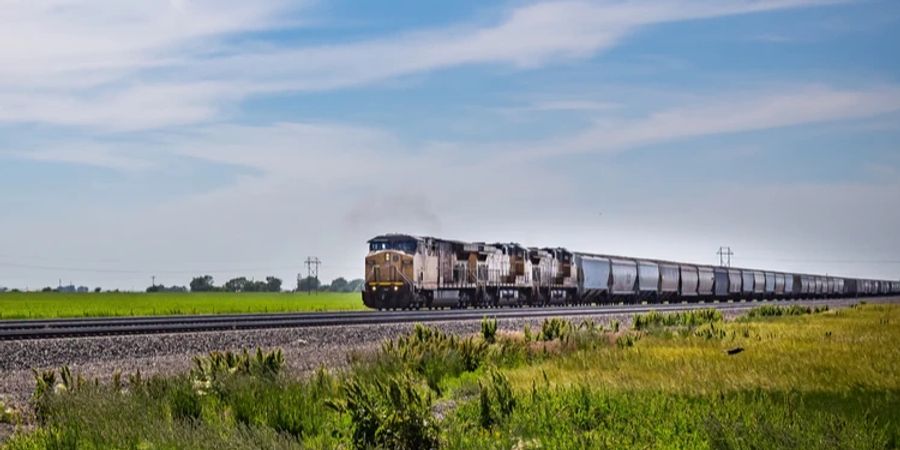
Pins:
<point x="34" y="305"/>
<point x="805" y="379"/>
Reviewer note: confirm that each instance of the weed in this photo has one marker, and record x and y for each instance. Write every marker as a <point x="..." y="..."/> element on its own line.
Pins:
<point x="553" y="328"/>
<point x="432" y="353"/>
<point x="687" y="318"/>
<point x="393" y="413"/>
<point x="710" y="331"/>
<point x="627" y="340"/>
<point x="496" y="399"/>
<point x="489" y="330"/>
<point x="210" y="370"/>
<point x="8" y="415"/>
<point x="778" y="311"/>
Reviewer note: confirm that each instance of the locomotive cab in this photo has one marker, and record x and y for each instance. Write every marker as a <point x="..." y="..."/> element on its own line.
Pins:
<point x="389" y="272"/>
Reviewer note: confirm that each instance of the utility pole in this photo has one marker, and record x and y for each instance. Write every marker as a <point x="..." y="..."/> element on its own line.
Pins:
<point x="725" y="255"/>
<point x="153" y="282"/>
<point x="312" y="271"/>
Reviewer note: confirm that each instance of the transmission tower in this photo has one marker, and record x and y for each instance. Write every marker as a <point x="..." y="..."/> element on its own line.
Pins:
<point x="725" y="255"/>
<point x="312" y="271"/>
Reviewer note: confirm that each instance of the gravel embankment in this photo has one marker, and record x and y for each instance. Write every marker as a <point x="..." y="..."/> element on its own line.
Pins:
<point x="305" y="349"/>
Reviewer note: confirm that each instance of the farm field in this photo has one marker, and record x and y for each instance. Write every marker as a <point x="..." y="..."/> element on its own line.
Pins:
<point x="35" y="305"/>
<point x="781" y="377"/>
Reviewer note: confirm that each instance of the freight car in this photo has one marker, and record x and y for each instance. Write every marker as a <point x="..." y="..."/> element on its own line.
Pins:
<point x="412" y="272"/>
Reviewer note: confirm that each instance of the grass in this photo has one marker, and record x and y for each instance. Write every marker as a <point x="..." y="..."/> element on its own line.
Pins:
<point x="41" y="305"/>
<point x="825" y="380"/>
<point x="837" y="351"/>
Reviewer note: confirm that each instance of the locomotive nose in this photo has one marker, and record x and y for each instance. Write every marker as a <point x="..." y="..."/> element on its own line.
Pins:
<point x="388" y="279"/>
<point x="388" y="268"/>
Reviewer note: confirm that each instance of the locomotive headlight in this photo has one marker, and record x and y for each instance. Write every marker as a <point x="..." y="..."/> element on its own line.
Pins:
<point x="373" y="288"/>
<point x="396" y="288"/>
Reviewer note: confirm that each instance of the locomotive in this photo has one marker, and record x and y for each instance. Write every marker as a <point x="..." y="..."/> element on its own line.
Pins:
<point x="414" y="272"/>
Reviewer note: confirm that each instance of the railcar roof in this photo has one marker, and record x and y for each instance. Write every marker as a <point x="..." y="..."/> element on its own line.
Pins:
<point x="393" y="237"/>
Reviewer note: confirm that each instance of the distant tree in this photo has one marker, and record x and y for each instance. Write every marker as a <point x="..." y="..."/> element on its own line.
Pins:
<point x="202" y="284"/>
<point x="240" y="284"/>
<point x="339" y="285"/>
<point x="154" y="288"/>
<point x="308" y="284"/>
<point x="273" y="284"/>
<point x="356" y="285"/>
<point x="97" y="290"/>
<point x="47" y="289"/>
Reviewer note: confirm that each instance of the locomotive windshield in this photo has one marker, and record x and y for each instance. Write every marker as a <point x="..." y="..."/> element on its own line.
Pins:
<point x="403" y="246"/>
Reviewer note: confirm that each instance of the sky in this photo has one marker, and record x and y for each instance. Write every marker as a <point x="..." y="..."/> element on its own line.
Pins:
<point x="232" y="138"/>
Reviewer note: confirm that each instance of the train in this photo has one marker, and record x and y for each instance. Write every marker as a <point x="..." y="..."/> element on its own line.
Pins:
<point x="414" y="272"/>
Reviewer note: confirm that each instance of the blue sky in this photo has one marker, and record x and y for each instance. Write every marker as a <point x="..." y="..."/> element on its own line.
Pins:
<point x="236" y="138"/>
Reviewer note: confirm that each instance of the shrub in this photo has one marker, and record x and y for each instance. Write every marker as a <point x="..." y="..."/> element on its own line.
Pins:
<point x="431" y="353"/>
<point x="390" y="413"/>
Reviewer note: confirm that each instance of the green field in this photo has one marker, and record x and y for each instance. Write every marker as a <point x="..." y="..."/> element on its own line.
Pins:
<point x="805" y="379"/>
<point x="34" y="305"/>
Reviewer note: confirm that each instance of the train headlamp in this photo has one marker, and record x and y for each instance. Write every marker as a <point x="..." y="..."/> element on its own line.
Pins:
<point x="396" y="288"/>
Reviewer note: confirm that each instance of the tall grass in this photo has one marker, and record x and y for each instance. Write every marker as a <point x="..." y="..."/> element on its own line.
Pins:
<point x="777" y="311"/>
<point x="799" y="381"/>
<point x="587" y="416"/>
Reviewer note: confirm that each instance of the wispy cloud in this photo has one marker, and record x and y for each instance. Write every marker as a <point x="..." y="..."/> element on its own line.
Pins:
<point x="110" y="65"/>
<point x="798" y="105"/>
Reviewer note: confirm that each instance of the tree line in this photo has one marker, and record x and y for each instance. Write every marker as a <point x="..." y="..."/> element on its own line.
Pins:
<point x="206" y="283"/>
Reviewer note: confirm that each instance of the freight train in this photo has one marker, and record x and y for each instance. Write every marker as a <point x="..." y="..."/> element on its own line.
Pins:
<point x="412" y="272"/>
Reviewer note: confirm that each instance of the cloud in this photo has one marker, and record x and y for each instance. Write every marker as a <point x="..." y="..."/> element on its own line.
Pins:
<point x="137" y="107"/>
<point x="110" y="65"/>
<point x="89" y="155"/>
<point x="527" y="37"/>
<point x="72" y="43"/>
<point x="797" y="105"/>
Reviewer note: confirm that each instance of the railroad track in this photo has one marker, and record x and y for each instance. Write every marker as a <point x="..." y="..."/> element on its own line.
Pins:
<point x="86" y="327"/>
